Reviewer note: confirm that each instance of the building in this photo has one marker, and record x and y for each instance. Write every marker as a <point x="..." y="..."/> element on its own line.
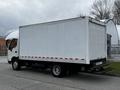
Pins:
<point x="109" y="45"/>
<point x="3" y="49"/>
<point x="118" y="28"/>
<point x="113" y="31"/>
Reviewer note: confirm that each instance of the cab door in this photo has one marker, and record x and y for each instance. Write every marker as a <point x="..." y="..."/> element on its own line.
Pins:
<point x="12" y="48"/>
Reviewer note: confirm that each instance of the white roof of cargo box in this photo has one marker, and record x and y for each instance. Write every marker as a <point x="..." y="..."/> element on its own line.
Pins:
<point x="82" y="17"/>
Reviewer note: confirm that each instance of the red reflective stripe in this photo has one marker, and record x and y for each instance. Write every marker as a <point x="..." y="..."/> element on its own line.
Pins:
<point x="76" y="58"/>
<point x="51" y="57"/>
<point x="71" y="58"/>
<point x="56" y="58"/>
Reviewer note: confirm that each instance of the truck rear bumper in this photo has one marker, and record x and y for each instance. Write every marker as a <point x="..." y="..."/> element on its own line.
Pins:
<point x="98" y="62"/>
<point x="96" y="65"/>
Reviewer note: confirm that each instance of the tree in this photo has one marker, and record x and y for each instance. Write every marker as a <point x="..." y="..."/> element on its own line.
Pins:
<point x="101" y="9"/>
<point x="116" y="12"/>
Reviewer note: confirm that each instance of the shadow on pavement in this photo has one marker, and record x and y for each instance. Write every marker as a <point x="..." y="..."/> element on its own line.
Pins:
<point x="89" y="77"/>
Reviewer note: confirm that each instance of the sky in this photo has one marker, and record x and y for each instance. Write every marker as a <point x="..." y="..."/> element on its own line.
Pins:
<point x="15" y="13"/>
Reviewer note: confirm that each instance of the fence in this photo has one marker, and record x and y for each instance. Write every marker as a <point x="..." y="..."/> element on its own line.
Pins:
<point x="115" y="49"/>
<point x="3" y="51"/>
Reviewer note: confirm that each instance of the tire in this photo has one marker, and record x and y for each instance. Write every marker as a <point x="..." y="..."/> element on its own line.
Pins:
<point x="58" y="70"/>
<point x="16" y="65"/>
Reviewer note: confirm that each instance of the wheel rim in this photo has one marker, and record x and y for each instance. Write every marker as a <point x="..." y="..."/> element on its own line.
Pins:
<point x="15" y="65"/>
<point x="56" y="70"/>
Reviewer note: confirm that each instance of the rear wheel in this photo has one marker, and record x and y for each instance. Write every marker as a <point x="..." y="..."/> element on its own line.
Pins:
<point x="16" y="65"/>
<point x="58" y="70"/>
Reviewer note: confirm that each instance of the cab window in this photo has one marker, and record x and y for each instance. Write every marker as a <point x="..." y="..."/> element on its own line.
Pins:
<point x="8" y="43"/>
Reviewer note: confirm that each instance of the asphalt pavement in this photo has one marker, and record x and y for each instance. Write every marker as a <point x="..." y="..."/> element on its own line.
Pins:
<point x="36" y="79"/>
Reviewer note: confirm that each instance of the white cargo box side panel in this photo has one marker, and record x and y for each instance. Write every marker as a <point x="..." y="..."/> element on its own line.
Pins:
<point x="62" y="39"/>
<point x="97" y="41"/>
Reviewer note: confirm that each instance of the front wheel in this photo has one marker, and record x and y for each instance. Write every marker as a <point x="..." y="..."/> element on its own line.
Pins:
<point x="58" y="70"/>
<point x="16" y="65"/>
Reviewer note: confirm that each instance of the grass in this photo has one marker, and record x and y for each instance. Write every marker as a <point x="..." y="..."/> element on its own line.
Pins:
<point x="113" y="68"/>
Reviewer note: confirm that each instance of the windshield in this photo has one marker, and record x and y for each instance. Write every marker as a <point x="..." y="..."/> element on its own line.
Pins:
<point x="11" y="44"/>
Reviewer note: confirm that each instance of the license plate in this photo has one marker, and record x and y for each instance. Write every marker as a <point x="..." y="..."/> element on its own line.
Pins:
<point x="99" y="63"/>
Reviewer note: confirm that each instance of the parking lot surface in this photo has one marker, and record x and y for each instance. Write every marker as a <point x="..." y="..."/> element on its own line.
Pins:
<point x="35" y="79"/>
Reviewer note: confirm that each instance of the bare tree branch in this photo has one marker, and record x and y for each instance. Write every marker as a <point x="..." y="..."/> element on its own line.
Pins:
<point x="116" y="12"/>
<point x="101" y="9"/>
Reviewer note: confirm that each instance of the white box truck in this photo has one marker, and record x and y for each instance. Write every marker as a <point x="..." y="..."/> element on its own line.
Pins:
<point x="64" y="45"/>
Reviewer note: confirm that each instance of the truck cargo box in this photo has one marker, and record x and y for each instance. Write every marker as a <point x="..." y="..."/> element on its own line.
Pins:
<point x="77" y="40"/>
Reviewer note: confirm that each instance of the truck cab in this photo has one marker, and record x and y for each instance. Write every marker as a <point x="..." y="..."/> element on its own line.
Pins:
<point x="12" y="46"/>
